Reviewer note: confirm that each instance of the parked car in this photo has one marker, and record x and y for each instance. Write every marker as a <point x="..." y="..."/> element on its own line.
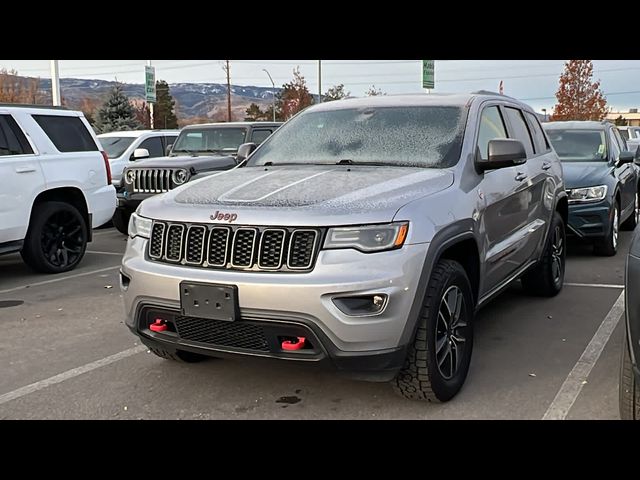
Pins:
<point x="366" y="232"/>
<point x="55" y="185"/>
<point x="632" y="136"/>
<point x="629" y="396"/>
<point x="199" y="150"/>
<point x="126" y="147"/>
<point x="601" y="178"/>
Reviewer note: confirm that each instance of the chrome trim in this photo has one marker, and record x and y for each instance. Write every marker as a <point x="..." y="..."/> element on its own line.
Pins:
<point x="282" y="248"/>
<point x="313" y="249"/>
<point x="253" y="246"/>
<point x="186" y="241"/>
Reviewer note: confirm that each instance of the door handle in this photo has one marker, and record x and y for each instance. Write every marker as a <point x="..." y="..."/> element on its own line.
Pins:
<point x="521" y="176"/>
<point x="25" y="169"/>
<point x="546" y="165"/>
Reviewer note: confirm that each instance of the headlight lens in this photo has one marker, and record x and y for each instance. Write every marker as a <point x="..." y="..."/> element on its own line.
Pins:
<point x="179" y="176"/>
<point x="589" y="194"/>
<point x="139" y="226"/>
<point x="130" y="176"/>
<point x="368" y="238"/>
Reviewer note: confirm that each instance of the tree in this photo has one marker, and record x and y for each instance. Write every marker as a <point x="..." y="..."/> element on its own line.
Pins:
<point x="164" y="115"/>
<point x="336" y="93"/>
<point x="116" y="113"/>
<point x="253" y="113"/>
<point x="294" y="96"/>
<point x="89" y="106"/>
<point x="374" y="92"/>
<point x="17" y="89"/>
<point x="579" y="98"/>
<point x="620" y="121"/>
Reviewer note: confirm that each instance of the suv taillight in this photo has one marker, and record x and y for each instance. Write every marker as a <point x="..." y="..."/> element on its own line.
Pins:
<point x="107" y="167"/>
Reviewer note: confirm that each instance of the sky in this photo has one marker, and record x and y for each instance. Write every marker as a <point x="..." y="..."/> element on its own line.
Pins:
<point x="533" y="81"/>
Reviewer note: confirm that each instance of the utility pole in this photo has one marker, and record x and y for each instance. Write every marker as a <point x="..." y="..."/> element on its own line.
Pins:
<point x="55" y="83"/>
<point x="226" y="69"/>
<point x="273" y="94"/>
<point x="319" y="81"/>
<point x="150" y="106"/>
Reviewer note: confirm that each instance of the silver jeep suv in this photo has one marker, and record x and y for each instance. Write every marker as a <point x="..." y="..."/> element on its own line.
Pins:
<point x="364" y="232"/>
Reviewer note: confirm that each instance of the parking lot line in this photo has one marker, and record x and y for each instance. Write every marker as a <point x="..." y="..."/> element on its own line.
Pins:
<point x="74" y="372"/>
<point x="105" y="253"/>
<point x="570" y="389"/>
<point x="594" y="285"/>
<point x="59" y="279"/>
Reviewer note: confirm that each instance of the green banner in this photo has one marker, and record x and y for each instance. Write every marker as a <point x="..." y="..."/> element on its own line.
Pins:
<point x="150" y="84"/>
<point x="428" y="74"/>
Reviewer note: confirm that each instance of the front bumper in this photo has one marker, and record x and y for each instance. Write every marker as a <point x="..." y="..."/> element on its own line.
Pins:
<point x="293" y="300"/>
<point x="130" y="201"/>
<point x="590" y="220"/>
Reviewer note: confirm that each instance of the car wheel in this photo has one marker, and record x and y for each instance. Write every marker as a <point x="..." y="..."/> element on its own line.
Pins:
<point x="179" y="355"/>
<point x="120" y="220"/>
<point x="546" y="278"/>
<point x="631" y="222"/>
<point x="56" y="238"/>
<point x="438" y="360"/>
<point x="608" y="246"/>
<point x="629" y="395"/>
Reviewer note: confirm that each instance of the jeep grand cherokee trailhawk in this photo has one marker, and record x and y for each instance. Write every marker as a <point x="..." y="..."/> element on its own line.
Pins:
<point x="363" y="232"/>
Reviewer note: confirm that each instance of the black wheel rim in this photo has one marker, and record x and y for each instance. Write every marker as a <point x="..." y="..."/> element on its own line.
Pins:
<point x="62" y="239"/>
<point x="557" y="254"/>
<point x="451" y="332"/>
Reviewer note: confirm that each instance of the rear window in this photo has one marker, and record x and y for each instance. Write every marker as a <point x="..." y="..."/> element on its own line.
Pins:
<point x="68" y="134"/>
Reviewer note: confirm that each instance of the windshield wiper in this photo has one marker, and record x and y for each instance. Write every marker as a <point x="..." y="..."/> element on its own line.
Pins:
<point x="182" y="150"/>
<point x="348" y="161"/>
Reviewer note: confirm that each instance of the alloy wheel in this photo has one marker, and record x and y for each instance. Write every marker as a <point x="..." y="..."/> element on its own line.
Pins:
<point x="450" y="332"/>
<point x="62" y="239"/>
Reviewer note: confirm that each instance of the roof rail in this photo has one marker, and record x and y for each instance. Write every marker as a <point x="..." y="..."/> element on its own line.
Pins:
<point x="484" y="92"/>
<point x="29" y="105"/>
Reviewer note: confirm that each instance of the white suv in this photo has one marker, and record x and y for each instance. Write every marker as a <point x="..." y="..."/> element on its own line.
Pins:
<point x="55" y="185"/>
<point x="125" y="147"/>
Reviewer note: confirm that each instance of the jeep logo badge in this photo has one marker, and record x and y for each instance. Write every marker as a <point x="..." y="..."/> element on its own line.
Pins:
<point x="226" y="217"/>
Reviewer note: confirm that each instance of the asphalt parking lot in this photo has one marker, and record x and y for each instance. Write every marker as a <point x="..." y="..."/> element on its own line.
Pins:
<point x="66" y="354"/>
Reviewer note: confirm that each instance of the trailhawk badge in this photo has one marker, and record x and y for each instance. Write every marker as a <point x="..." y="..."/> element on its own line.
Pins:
<point x="225" y="217"/>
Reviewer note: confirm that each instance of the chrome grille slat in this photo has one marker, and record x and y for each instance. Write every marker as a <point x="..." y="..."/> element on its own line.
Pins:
<point x="231" y="247"/>
<point x="152" y="180"/>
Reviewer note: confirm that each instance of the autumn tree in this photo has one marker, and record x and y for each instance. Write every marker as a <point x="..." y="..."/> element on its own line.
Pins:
<point x="579" y="97"/>
<point x="620" y="121"/>
<point x="295" y="96"/>
<point x="17" y="89"/>
<point x="89" y="106"/>
<point x="336" y="92"/>
<point x="374" y="92"/>
<point x="116" y="113"/>
<point x="164" y="110"/>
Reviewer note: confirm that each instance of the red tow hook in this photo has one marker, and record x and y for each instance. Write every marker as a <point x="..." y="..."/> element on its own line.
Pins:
<point x="158" y="326"/>
<point x="293" y="344"/>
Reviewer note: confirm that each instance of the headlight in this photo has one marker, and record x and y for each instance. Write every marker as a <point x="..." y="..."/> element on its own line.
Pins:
<point x="139" y="226"/>
<point x="179" y="176"/>
<point x="130" y="176"/>
<point x="589" y="194"/>
<point x="368" y="238"/>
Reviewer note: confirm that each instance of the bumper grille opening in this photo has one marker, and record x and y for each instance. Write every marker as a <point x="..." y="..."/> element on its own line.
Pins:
<point x="226" y="334"/>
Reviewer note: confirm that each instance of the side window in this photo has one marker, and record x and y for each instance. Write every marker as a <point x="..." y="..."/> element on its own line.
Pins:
<point x="12" y="140"/>
<point x="154" y="145"/>
<point x="615" y="146"/>
<point x="170" y="140"/>
<point x="68" y="134"/>
<point x="539" y="139"/>
<point x="259" y="136"/>
<point x="491" y="126"/>
<point x="621" y="140"/>
<point x="520" y="128"/>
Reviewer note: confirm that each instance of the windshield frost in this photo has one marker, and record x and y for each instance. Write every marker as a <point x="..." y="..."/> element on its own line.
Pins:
<point x="427" y="136"/>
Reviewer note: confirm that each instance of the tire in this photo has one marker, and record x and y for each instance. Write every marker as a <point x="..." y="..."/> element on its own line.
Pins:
<point x="56" y="238"/>
<point x="120" y="220"/>
<point x="633" y="220"/>
<point x="629" y="395"/>
<point x="179" y="355"/>
<point x="427" y="372"/>
<point x="608" y="246"/>
<point x="547" y="277"/>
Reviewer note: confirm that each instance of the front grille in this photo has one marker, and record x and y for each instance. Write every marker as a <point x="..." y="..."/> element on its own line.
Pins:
<point x="235" y="247"/>
<point x="152" y="180"/>
<point x="220" y="333"/>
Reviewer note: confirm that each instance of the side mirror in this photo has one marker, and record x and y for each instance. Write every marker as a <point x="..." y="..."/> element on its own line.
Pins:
<point x="140" y="153"/>
<point x="503" y="152"/>
<point x="168" y="149"/>
<point x="244" y="151"/>
<point x="626" y="157"/>
<point x="637" y="156"/>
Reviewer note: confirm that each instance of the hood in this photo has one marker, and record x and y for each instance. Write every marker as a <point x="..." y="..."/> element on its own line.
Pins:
<point x="585" y="174"/>
<point x="202" y="162"/>
<point x="300" y="195"/>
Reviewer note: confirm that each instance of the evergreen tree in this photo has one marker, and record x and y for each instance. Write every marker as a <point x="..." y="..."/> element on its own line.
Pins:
<point x="164" y="115"/>
<point x="335" y="93"/>
<point x="253" y="113"/>
<point x="374" y="92"/>
<point x="116" y="113"/>
<point x="579" y="98"/>
<point x="620" y="121"/>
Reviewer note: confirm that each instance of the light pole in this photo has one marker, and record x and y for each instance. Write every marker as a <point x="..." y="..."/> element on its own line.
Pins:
<point x="55" y="83"/>
<point x="544" y="110"/>
<point x="151" y="122"/>
<point x="273" y="94"/>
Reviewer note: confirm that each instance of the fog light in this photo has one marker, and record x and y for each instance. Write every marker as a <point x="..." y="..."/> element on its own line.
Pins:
<point x="362" y="305"/>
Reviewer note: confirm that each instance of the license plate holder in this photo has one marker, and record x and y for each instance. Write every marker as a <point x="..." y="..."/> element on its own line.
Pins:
<point x="208" y="300"/>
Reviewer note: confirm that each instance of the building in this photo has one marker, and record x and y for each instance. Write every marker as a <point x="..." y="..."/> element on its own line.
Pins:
<point x="632" y="117"/>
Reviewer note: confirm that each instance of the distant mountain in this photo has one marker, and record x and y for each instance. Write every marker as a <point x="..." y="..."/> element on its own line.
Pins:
<point x="193" y="100"/>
